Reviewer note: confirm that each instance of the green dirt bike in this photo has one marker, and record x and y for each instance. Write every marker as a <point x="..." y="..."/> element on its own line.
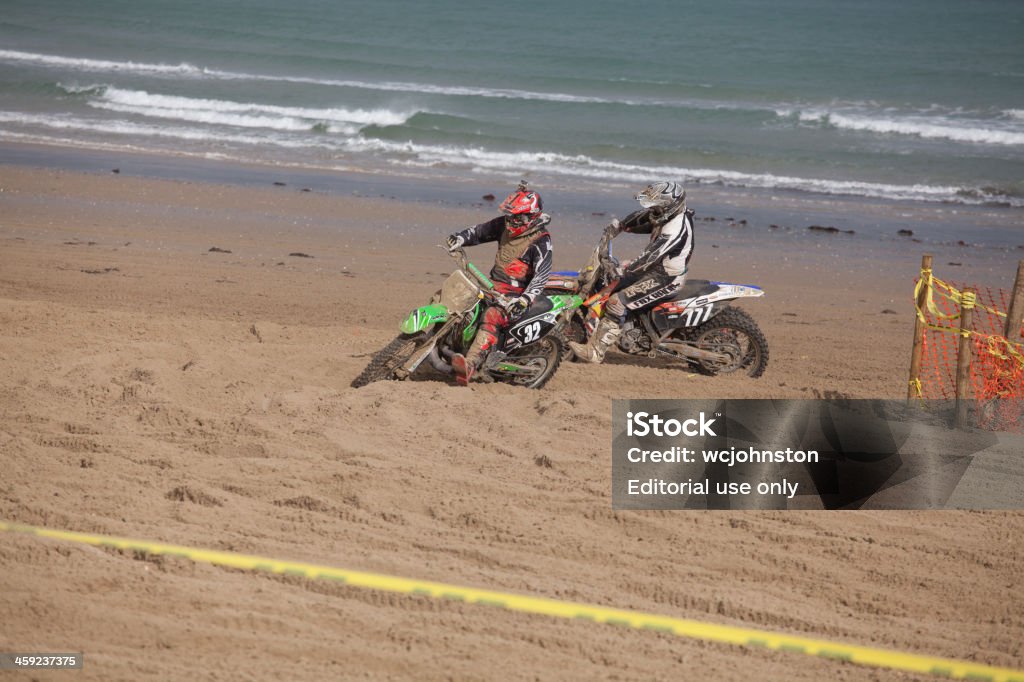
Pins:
<point x="527" y="353"/>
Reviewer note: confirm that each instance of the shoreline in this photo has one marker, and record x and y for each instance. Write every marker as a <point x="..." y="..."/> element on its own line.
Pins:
<point x="733" y="226"/>
<point x="932" y="223"/>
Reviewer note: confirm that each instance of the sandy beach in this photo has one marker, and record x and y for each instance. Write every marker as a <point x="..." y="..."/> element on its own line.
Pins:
<point x="176" y="366"/>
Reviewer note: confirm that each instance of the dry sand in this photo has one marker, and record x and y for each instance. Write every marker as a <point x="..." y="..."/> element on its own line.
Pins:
<point x="152" y="388"/>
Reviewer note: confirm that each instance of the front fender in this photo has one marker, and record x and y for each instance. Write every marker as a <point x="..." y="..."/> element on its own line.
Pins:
<point x="424" y="317"/>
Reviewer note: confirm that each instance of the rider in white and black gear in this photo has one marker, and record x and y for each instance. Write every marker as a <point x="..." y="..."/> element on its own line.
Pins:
<point x="658" y="273"/>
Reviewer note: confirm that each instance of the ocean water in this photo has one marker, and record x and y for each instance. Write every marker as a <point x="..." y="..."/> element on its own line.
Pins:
<point x="919" y="100"/>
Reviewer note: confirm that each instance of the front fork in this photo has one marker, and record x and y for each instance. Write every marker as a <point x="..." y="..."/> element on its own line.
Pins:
<point x="421" y="354"/>
<point x="429" y="350"/>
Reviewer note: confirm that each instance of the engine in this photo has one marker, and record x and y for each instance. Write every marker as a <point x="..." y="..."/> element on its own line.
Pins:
<point x="635" y="340"/>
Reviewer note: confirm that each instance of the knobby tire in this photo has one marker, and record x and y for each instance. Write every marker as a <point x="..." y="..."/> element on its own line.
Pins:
<point x="384" y="363"/>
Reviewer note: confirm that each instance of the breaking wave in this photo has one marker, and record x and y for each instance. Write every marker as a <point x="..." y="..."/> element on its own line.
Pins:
<point x="973" y="131"/>
<point x="585" y="166"/>
<point x="240" y="114"/>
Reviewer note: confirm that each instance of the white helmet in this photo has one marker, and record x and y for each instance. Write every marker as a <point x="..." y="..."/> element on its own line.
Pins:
<point x="666" y="196"/>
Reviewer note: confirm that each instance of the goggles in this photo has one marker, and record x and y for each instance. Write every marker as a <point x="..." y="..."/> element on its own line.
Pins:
<point x="518" y="221"/>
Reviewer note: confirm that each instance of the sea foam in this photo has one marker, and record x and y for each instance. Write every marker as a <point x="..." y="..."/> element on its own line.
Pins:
<point x="249" y="115"/>
<point x="939" y="127"/>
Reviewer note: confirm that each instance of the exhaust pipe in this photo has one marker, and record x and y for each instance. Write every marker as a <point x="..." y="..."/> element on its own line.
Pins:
<point x="438" y="363"/>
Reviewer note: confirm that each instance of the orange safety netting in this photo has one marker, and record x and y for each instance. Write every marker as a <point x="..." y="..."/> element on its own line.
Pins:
<point x="997" y="365"/>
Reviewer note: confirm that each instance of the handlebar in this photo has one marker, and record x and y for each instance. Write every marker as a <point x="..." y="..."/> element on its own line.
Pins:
<point x="489" y="291"/>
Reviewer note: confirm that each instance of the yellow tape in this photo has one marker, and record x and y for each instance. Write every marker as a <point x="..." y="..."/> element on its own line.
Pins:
<point x="728" y="634"/>
<point x="1014" y="351"/>
<point x="916" y="385"/>
<point x="1011" y="348"/>
<point x="965" y="299"/>
<point x="928" y="281"/>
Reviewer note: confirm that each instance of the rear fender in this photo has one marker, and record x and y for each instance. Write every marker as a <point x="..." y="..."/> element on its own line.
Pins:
<point x="727" y="291"/>
<point x="691" y="312"/>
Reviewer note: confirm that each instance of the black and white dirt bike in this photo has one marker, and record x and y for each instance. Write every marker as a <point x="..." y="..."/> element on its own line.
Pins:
<point x="527" y="353"/>
<point x="699" y="326"/>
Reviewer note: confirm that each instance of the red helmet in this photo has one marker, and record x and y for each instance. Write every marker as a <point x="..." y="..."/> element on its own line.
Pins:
<point x="522" y="210"/>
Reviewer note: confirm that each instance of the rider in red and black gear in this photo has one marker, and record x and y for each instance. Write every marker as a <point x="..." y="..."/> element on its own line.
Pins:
<point x="521" y="268"/>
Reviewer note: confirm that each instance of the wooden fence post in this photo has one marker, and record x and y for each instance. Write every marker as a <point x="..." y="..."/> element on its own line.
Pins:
<point x="919" y="329"/>
<point x="1016" y="311"/>
<point x="963" y="358"/>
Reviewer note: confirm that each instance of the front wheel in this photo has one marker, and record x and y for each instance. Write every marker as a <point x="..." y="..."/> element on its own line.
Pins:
<point x="734" y="334"/>
<point x="540" y="360"/>
<point x="384" y="363"/>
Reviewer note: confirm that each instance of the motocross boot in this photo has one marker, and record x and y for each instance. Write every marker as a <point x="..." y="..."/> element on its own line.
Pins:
<point x="465" y="365"/>
<point x="463" y="369"/>
<point x="606" y="334"/>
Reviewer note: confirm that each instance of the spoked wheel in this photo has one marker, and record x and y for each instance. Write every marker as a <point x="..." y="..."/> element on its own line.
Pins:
<point x="384" y="363"/>
<point x="538" y="361"/>
<point x="734" y="335"/>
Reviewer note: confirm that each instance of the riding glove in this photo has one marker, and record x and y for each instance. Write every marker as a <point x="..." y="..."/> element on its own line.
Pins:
<point x="518" y="306"/>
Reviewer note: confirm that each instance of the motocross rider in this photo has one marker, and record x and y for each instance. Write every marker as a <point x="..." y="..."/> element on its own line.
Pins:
<point x="658" y="273"/>
<point x="521" y="268"/>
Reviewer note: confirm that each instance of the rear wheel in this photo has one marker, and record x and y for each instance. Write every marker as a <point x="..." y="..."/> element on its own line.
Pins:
<point x="735" y="335"/>
<point x="384" y="363"/>
<point x="540" y="359"/>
